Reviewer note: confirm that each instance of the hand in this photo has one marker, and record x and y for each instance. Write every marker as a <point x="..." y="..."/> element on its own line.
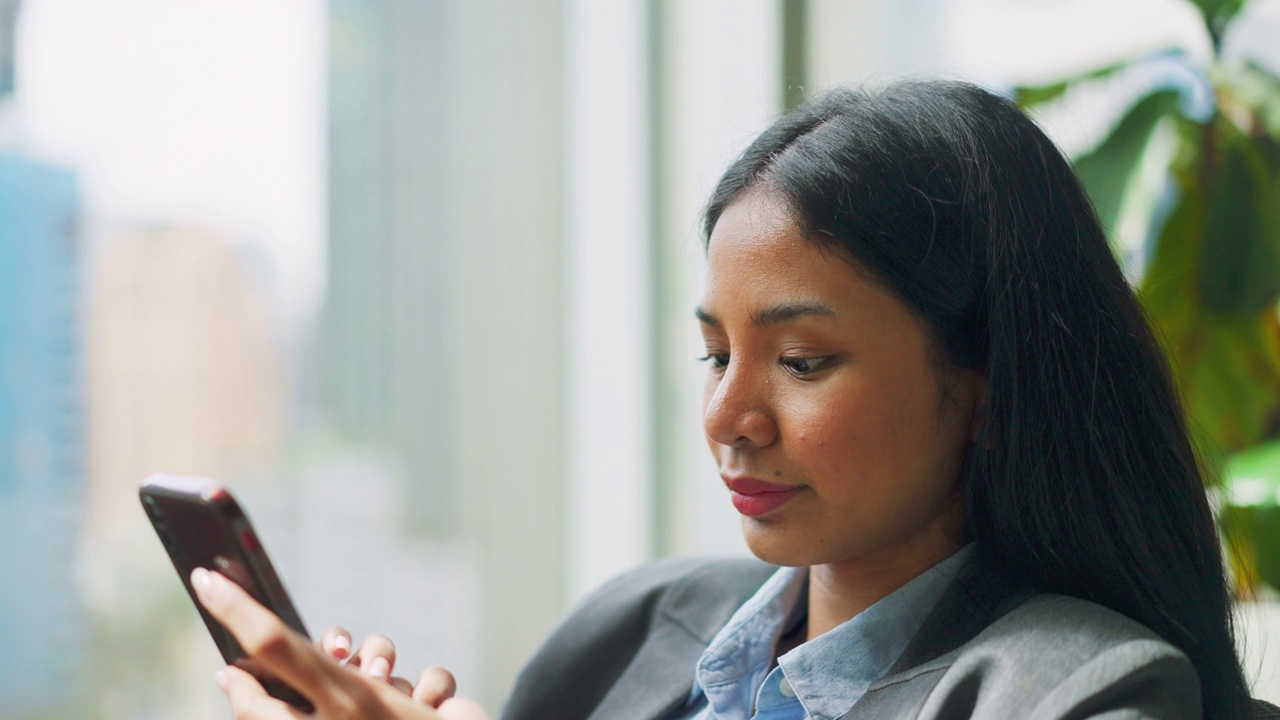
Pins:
<point x="338" y="693"/>
<point x="376" y="657"/>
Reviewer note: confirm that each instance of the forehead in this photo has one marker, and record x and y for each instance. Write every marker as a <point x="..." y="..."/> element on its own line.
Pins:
<point x="757" y="245"/>
<point x="758" y="259"/>
<point x="751" y="224"/>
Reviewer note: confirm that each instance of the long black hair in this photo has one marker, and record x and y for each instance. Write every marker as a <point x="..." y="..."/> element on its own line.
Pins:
<point x="1082" y="478"/>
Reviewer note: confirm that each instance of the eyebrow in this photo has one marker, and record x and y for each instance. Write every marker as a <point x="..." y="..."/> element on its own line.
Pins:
<point x="774" y="314"/>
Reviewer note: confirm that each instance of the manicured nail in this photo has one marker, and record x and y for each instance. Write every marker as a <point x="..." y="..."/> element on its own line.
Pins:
<point x="380" y="668"/>
<point x="201" y="579"/>
<point x="220" y="677"/>
<point x="342" y="643"/>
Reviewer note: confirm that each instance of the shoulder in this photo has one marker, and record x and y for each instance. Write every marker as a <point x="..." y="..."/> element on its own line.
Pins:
<point x="669" y="585"/>
<point x="694" y="592"/>
<point x="592" y="647"/>
<point x="1062" y="625"/>
<point x="1056" y="656"/>
<point x="1052" y="639"/>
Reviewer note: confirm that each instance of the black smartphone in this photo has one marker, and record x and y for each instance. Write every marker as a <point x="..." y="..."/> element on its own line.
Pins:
<point x="200" y="524"/>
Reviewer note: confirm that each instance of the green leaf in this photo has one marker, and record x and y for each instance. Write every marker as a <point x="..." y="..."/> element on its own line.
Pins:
<point x="1218" y="13"/>
<point x="1240" y="261"/>
<point x="1252" y="476"/>
<point x="1106" y="171"/>
<point x="1168" y="289"/>
<point x="1251" y="512"/>
<point x="1256" y="92"/>
<point x="1229" y="374"/>
<point x="1253" y="541"/>
<point x="1033" y="95"/>
<point x="1227" y="365"/>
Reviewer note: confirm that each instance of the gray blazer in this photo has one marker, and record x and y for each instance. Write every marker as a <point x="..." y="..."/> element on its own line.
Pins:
<point x="991" y="648"/>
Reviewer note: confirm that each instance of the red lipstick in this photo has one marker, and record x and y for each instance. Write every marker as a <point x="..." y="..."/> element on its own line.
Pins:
<point x="754" y="498"/>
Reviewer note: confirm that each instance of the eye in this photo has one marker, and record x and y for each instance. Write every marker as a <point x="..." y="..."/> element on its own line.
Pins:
<point x="805" y="366"/>
<point x="718" y="361"/>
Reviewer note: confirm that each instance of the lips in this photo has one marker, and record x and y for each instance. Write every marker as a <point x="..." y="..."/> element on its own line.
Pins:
<point x="754" y="498"/>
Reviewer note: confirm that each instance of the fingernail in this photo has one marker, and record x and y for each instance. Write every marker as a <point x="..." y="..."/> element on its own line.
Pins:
<point x="380" y="668"/>
<point x="201" y="579"/>
<point x="220" y="677"/>
<point x="342" y="643"/>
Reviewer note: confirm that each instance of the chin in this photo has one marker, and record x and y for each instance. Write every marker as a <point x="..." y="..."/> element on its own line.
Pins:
<point x="777" y="547"/>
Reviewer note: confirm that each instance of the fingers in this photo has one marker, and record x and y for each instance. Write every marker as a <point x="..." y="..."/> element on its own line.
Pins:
<point x="280" y="650"/>
<point x="402" y="685"/>
<point x="336" y="643"/>
<point x="435" y="685"/>
<point x="249" y="700"/>
<point x="337" y="693"/>
<point x="461" y="709"/>
<point x="376" y="657"/>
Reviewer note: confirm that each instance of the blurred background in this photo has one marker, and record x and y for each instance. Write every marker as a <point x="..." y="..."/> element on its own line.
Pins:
<point x="415" y="279"/>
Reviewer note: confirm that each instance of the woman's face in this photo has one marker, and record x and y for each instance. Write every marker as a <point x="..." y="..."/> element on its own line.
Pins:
<point x="822" y="405"/>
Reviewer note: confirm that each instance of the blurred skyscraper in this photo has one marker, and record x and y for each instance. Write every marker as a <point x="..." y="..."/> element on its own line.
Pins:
<point x="183" y="376"/>
<point x="443" y="344"/>
<point x="8" y="27"/>
<point x="385" y="359"/>
<point x="41" y="436"/>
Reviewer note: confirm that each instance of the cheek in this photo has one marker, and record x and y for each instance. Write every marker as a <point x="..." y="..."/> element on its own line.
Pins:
<point x="865" y="437"/>
<point x="812" y="439"/>
<point x="830" y="439"/>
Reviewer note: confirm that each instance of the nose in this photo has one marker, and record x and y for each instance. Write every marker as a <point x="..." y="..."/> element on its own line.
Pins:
<point x="736" y="411"/>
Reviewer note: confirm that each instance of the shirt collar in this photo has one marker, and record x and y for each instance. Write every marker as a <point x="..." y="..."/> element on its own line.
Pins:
<point x="829" y="673"/>
<point x="833" y="671"/>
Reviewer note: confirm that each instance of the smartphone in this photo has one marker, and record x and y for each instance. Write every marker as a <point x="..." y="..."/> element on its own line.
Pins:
<point x="200" y="524"/>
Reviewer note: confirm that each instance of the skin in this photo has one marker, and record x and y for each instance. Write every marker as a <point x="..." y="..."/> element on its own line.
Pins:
<point x="821" y="379"/>
<point x="359" y="690"/>
<point x="818" y="379"/>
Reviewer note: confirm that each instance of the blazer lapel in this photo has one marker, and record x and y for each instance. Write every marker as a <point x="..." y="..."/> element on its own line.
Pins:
<point x="659" y="678"/>
<point x="981" y="593"/>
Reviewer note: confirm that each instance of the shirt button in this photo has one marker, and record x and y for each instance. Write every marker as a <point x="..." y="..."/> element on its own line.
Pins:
<point x="785" y="688"/>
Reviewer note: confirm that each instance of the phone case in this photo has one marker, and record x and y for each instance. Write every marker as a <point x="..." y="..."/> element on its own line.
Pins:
<point x="200" y="524"/>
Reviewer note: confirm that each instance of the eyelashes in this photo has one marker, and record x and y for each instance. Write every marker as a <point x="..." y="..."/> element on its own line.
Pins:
<point x="717" y="361"/>
<point x="798" y="366"/>
<point x="805" y="366"/>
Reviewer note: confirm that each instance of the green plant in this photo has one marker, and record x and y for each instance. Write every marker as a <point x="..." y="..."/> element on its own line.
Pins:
<point x="1207" y="262"/>
<point x="1212" y="274"/>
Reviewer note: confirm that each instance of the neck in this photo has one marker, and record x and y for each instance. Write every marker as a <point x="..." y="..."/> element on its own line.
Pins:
<point x="840" y="590"/>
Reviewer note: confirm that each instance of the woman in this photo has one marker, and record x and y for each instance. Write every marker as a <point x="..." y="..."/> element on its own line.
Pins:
<point x="935" y="402"/>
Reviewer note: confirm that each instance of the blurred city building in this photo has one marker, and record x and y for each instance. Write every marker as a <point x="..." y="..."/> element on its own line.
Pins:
<point x="443" y="325"/>
<point x="8" y="33"/>
<point x="385" y="355"/>
<point x="41" y="436"/>
<point x="183" y="376"/>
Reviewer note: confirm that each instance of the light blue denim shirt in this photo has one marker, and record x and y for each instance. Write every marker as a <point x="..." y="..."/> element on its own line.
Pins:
<point x="821" y="679"/>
